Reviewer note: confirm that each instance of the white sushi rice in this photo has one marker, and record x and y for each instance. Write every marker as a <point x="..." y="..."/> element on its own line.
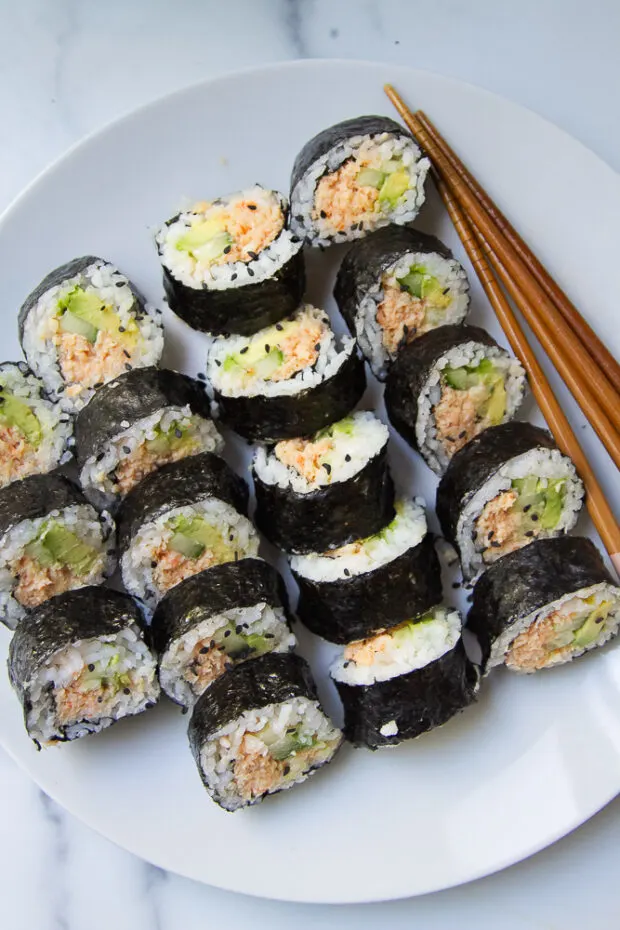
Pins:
<point x="425" y="642"/>
<point x="175" y="663"/>
<point x="544" y="463"/>
<point x="406" y="530"/>
<point x="228" y="275"/>
<point x="95" y="474"/>
<point x="136" y="562"/>
<point x="81" y="519"/>
<point x="219" y="752"/>
<point x="113" y="289"/>
<point x="352" y="451"/>
<point x="471" y="354"/>
<point x="384" y="146"/>
<point x="448" y="272"/>
<point x="67" y="663"/>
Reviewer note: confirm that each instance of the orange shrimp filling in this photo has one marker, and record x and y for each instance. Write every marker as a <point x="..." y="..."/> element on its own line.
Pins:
<point x="340" y="200"/>
<point x="251" y="226"/>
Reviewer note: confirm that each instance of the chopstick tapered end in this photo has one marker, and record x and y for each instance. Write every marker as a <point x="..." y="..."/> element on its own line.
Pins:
<point x="615" y="559"/>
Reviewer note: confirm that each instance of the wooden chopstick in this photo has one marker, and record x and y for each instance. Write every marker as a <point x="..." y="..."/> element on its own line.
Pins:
<point x="600" y="511"/>
<point x="599" y="396"/>
<point x="573" y="318"/>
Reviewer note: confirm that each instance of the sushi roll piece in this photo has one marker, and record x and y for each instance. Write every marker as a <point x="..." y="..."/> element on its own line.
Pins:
<point x="405" y="681"/>
<point x="371" y="584"/>
<point x="51" y="541"/>
<point x="260" y="729"/>
<point x="133" y="425"/>
<point x="79" y="663"/>
<point x="449" y="386"/>
<point x="544" y="605"/>
<point x="355" y="177"/>
<point x="182" y="519"/>
<point x="35" y="435"/>
<point x="505" y="488"/>
<point x="215" y="620"/>
<point x="291" y="379"/>
<point x="395" y="286"/>
<point x="232" y="265"/>
<point x="84" y="325"/>
<point x="325" y="491"/>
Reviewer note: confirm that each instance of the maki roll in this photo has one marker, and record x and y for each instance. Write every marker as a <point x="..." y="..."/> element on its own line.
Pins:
<point x="449" y="386"/>
<point x="84" y="325"/>
<point x="505" y="488"/>
<point x="79" y="663"/>
<point x="396" y="285"/>
<point x="142" y="420"/>
<point x="371" y="584"/>
<point x="355" y="177"/>
<point x="406" y="681"/>
<point x="231" y="265"/>
<point x="288" y="380"/>
<point x="215" y="620"/>
<point x="260" y="729"/>
<point x="51" y="540"/>
<point x="183" y="518"/>
<point x="35" y="434"/>
<point x="544" y="605"/>
<point x="325" y="491"/>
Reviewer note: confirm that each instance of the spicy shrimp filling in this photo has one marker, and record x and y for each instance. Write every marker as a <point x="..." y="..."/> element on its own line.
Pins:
<point x="180" y="440"/>
<point x="473" y="397"/>
<point x="411" y="305"/>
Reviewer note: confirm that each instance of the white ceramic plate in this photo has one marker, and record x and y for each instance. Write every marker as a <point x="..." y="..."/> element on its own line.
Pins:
<point x="537" y="755"/>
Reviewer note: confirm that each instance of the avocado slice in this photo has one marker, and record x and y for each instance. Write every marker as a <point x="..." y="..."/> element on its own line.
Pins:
<point x="370" y="177"/>
<point x="86" y="314"/>
<point x="496" y="408"/>
<point x="14" y="412"/>
<point x="552" y="509"/>
<point x="260" y="356"/>
<point x="394" y="187"/>
<point x="193" y="537"/>
<point x="58" y="545"/>
<point x="205" y="240"/>
<point x="290" y="743"/>
<point x="589" y="631"/>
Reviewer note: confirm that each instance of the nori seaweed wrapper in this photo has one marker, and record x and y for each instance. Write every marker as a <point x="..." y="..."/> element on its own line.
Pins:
<point x="212" y="592"/>
<point x="268" y="419"/>
<point x="531" y="578"/>
<point x="477" y="462"/>
<point x="361" y="605"/>
<point x="129" y="398"/>
<point x="413" y="367"/>
<point x="418" y="701"/>
<point x="179" y="484"/>
<point x="242" y="310"/>
<point x="368" y="259"/>
<point x="329" y="516"/>
<point x="36" y="496"/>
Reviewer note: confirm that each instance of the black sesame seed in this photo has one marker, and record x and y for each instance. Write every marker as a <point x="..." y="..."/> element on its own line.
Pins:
<point x="456" y="584"/>
<point x="201" y="376"/>
<point x="236" y="556"/>
<point x="252" y="255"/>
<point x="347" y="572"/>
<point x="100" y="456"/>
<point x="251" y="206"/>
<point x="243" y="350"/>
<point x="327" y="467"/>
<point x="317" y="347"/>
<point x="100" y="700"/>
<point x="526" y="508"/>
<point x="251" y="272"/>
<point x="299" y="218"/>
<point x="128" y="367"/>
<point x="126" y="450"/>
<point x="127" y="690"/>
<point x="98" y="385"/>
<point x="495" y="544"/>
<point x="491" y="534"/>
<point x="360" y="226"/>
<point x="218" y="363"/>
<point x="599" y="619"/>
<point x="234" y="276"/>
<point x="126" y="353"/>
<point x="534" y="517"/>
<point x="446" y="290"/>
<point x="405" y="329"/>
<point x="267" y="348"/>
<point x="204" y="650"/>
<point x="323" y="215"/>
<point x="91" y="667"/>
<point x="279" y="327"/>
<point x="269" y="635"/>
<point x="347" y="457"/>
<point x="346" y="664"/>
<point x="178" y="433"/>
<point x="153" y="564"/>
<point x="227" y="249"/>
<point x="239" y="629"/>
<point x="530" y="533"/>
<point x="231" y="537"/>
<point x="185" y="710"/>
<point x="463" y="434"/>
<point x="286" y="769"/>
<point x="227" y="634"/>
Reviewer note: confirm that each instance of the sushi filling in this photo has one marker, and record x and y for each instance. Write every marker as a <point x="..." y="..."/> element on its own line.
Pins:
<point x="402" y="649"/>
<point x="170" y="434"/>
<point x="267" y="750"/>
<point x="34" y="433"/>
<point x="230" y="241"/>
<point x="90" y="684"/>
<point x="406" y="530"/>
<point x="182" y="543"/>
<point x="286" y="358"/>
<point x="201" y="655"/>
<point x="334" y="454"/>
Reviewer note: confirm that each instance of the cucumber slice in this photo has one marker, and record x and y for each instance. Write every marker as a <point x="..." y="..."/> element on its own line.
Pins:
<point x="456" y="378"/>
<point x="69" y="323"/>
<point x="186" y="546"/>
<point x="370" y="177"/>
<point x="15" y="413"/>
<point x="394" y="187"/>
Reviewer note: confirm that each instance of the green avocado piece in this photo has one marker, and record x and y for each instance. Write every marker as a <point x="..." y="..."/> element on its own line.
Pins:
<point x="290" y="743"/>
<point x="84" y="313"/>
<point x="57" y="544"/>
<point x="192" y="537"/>
<point x="370" y="177"/>
<point x="590" y="631"/>
<point x="496" y="408"/>
<point x="205" y="240"/>
<point x="256" y="357"/>
<point x="15" y="412"/>
<point x="552" y="510"/>
<point x="394" y="187"/>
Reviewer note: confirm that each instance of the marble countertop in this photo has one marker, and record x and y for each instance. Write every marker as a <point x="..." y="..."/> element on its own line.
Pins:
<point x="68" y="67"/>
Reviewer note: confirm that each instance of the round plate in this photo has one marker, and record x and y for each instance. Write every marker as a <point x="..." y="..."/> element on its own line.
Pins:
<point x="537" y="755"/>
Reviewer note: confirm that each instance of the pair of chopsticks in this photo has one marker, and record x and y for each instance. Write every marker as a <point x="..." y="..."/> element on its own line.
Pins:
<point x="498" y="252"/>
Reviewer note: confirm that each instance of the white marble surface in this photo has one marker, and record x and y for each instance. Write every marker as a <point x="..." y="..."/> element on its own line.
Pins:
<point x="69" y="66"/>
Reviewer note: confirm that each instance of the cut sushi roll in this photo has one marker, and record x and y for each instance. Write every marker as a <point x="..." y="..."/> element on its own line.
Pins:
<point x="183" y="518"/>
<point x="508" y="486"/>
<point x="355" y="177"/>
<point x="544" y="605"/>
<point x="449" y="386"/>
<point x="231" y="265"/>
<point x="406" y="681"/>
<point x="260" y="729"/>
<point x="215" y="620"/>
<point x="84" y="325"/>
<point x="288" y="380"/>
<point x="396" y="285"/>
<point x="51" y="540"/>
<point x="79" y="663"/>
<point x="325" y="491"/>
<point x="373" y="583"/>
<point x="35" y="435"/>
<point x="135" y="424"/>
